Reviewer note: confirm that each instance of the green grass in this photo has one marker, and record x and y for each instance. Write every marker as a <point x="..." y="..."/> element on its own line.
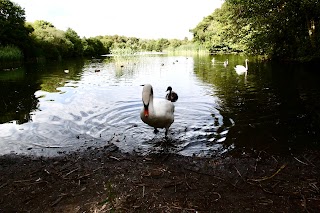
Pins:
<point x="10" y="54"/>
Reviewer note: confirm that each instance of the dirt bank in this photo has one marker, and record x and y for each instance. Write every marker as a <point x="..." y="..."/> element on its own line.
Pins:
<point x="105" y="180"/>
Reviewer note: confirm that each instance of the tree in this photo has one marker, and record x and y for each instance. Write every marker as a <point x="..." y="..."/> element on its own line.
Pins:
<point x="223" y="30"/>
<point x="282" y="29"/>
<point x="73" y="37"/>
<point x="53" y="42"/>
<point x="93" y="47"/>
<point x="286" y="29"/>
<point x="12" y="25"/>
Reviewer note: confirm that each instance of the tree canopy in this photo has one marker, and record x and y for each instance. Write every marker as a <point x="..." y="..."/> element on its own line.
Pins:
<point x="12" y="25"/>
<point x="286" y="29"/>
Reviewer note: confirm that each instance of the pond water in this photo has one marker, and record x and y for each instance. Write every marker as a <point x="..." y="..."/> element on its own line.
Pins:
<point x="46" y="110"/>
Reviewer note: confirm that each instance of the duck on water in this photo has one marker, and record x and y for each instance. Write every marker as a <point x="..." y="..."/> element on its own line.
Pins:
<point x="171" y="95"/>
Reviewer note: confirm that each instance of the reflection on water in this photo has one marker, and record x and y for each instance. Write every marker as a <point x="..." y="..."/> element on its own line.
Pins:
<point x="45" y="110"/>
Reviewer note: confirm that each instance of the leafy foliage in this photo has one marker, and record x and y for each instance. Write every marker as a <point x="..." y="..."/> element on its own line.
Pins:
<point x="286" y="29"/>
<point x="13" y="31"/>
<point x="41" y="39"/>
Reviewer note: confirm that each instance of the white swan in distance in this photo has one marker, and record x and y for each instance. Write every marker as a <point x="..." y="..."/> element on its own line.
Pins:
<point x="171" y="95"/>
<point x="225" y="64"/>
<point x="158" y="113"/>
<point x="240" y="69"/>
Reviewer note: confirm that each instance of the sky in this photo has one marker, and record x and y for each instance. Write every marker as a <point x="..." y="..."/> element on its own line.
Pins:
<point x="151" y="19"/>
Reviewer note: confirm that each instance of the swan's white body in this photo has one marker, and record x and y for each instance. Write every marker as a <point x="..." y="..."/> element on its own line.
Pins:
<point x="241" y="69"/>
<point x="158" y="113"/>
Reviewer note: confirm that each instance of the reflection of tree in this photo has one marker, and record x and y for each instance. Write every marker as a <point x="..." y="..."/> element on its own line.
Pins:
<point x="52" y="83"/>
<point x="56" y="77"/>
<point x="17" y="87"/>
<point x="224" y="81"/>
<point x="124" y="64"/>
<point x="17" y="101"/>
<point x="267" y="109"/>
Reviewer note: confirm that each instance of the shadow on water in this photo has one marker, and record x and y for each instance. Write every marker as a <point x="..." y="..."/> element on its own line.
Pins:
<point x="274" y="107"/>
<point x="17" y="96"/>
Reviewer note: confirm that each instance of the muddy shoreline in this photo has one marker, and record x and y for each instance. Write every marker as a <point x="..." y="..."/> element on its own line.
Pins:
<point x="106" y="180"/>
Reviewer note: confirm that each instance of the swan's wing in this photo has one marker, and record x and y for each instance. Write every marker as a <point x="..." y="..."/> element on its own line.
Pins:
<point x="163" y="107"/>
<point x="162" y="115"/>
<point x="239" y="67"/>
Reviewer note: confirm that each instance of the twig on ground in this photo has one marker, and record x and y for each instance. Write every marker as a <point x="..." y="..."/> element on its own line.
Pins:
<point x="203" y="173"/>
<point x="219" y="196"/>
<point x="58" y="200"/>
<point x="274" y="159"/>
<point x="183" y="209"/>
<point x="114" y="158"/>
<point x="238" y="172"/>
<point x="308" y="161"/>
<point x="267" y="178"/>
<point x="87" y="175"/>
<point x="313" y="185"/>
<point x="300" y="161"/>
<point x="172" y="184"/>
<point x="143" y="190"/>
<point x="3" y="185"/>
<point x="70" y="172"/>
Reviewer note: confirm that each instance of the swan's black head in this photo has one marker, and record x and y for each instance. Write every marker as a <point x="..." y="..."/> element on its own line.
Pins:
<point x="169" y="89"/>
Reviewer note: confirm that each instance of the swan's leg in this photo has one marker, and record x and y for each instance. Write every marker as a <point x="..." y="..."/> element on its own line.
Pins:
<point x="166" y="133"/>
<point x="155" y="131"/>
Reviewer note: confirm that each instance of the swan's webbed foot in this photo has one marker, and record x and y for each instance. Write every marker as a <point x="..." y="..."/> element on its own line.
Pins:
<point x="155" y="131"/>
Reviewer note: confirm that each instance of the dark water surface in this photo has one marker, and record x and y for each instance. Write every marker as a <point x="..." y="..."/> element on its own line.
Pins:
<point x="46" y="111"/>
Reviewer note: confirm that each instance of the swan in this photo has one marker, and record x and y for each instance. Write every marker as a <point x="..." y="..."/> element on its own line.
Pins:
<point x="241" y="69"/>
<point x="171" y="95"/>
<point x="226" y="63"/>
<point x="158" y="113"/>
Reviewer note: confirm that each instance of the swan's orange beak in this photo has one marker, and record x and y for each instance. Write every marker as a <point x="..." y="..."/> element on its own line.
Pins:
<point x="146" y="112"/>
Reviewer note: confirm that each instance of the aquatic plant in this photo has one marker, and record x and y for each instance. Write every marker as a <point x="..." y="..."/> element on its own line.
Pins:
<point x="188" y="49"/>
<point x="122" y="52"/>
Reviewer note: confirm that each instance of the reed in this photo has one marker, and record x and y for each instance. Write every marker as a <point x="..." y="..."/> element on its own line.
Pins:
<point x="188" y="49"/>
<point x="122" y="52"/>
<point x="123" y="56"/>
<point x="10" y="54"/>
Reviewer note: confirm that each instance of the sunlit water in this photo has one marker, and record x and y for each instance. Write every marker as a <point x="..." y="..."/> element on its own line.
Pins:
<point x="46" y="111"/>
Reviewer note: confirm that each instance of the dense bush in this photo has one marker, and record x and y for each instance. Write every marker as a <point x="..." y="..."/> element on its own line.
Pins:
<point x="10" y="53"/>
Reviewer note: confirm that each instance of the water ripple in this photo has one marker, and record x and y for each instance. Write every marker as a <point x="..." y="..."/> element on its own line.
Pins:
<point x="104" y="107"/>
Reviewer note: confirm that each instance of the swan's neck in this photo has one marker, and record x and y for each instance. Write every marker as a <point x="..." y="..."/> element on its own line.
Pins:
<point x="151" y="102"/>
<point x="246" y="65"/>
